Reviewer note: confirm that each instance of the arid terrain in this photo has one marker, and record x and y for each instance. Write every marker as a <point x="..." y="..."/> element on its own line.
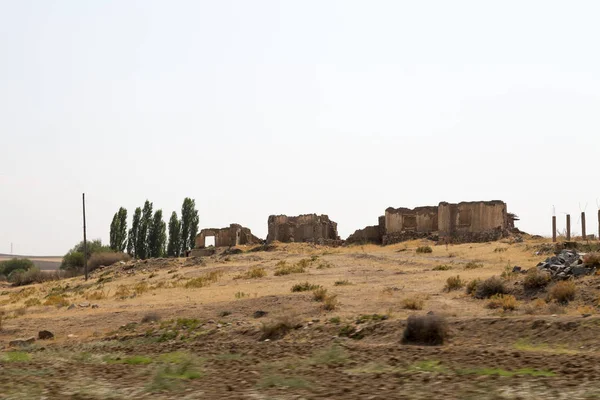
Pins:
<point x="231" y="326"/>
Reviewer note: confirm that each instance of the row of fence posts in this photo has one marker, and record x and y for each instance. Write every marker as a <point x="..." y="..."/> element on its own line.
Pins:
<point x="583" y="231"/>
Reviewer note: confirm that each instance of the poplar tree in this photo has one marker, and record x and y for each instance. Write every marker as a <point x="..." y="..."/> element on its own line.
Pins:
<point x="174" y="246"/>
<point x="157" y="236"/>
<point x="122" y="231"/>
<point x="114" y="228"/>
<point x="189" y="224"/>
<point x="132" y="241"/>
<point x="141" y="246"/>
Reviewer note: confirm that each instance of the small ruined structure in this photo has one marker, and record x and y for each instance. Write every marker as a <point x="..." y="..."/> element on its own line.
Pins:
<point x="303" y="228"/>
<point x="234" y="235"/>
<point x="477" y="221"/>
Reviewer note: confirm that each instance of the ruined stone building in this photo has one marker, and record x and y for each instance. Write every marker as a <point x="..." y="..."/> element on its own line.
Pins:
<point x="303" y="228"/>
<point x="477" y="221"/>
<point x="234" y="235"/>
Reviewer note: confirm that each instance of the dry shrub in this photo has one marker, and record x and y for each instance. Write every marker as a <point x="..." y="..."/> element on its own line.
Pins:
<point x="454" y="283"/>
<point x="96" y="295"/>
<point x="204" y="280"/>
<point x="473" y="265"/>
<point x="556" y="308"/>
<point x="319" y="294"/>
<point x="534" y="307"/>
<point x="279" y="327"/>
<point x="592" y="259"/>
<point x="424" y="249"/>
<point x="586" y="310"/>
<point x="122" y="292"/>
<point x="330" y="302"/>
<point x="444" y="267"/>
<point x="535" y="279"/>
<point x="252" y="273"/>
<point x="33" y="275"/>
<point x="140" y="288"/>
<point x="57" y="300"/>
<point x="490" y="287"/>
<point x="304" y="287"/>
<point x="106" y="259"/>
<point x="285" y="269"/>
<point x="150" y="317"/>
<point x="472" y="286"/>
<point x="425" y="329"/>
<point x="33" y="302"/>
<point x="562" y="292"/>
<point x="413" y="303"/>
<point x="505" y="301"/>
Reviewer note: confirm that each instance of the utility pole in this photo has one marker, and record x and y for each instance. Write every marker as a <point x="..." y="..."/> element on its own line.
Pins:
<point x="85" y="266"/>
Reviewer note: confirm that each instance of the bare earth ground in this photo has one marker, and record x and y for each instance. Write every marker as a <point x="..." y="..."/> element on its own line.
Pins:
<point x="207" y="342"/>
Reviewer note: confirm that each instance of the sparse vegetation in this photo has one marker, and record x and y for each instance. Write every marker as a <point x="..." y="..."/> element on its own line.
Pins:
<point x="413" y="303"/>
<point x="442" y="267"/>
<point x="122" y="292"/>
<point x="562" y="292"/>
<point x="507" y="302"/>
<point x="252" y="273"/>
<point x="473" y="265"/>
<point x="324" y="265"/>
<point x="490" y="287"/>
<point x="56" y="300"/>
<point x="150" y="317"/>
<point x="424" y="249"/>
<point x="471" y="287"/>
<point x="286" y="269"/>
<point x="454" y="283"/>
<point x="592" y="259"/>
<point x="278" y="328"/>
<point x="319" y="294"/>
<point x="426" y="329"/>
<point x="304" y="287"/>
<point x="204" y="280"/>
<point x="330" y="302"/>
<point x="96" y="295"/>
<point x="345" y="282"/>
<point x="535" y="279"/>
<point x="333" y="355"/>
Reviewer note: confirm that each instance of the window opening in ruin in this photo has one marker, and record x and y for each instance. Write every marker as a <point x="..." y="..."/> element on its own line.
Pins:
<point x="209" y="241"/>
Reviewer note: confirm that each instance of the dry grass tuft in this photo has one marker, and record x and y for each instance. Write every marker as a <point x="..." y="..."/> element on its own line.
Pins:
<point x="304" y="287"/>
<point x="330" y="302"/>
<point x="279" y="328"/>
<point x="285" y="269"/>
<point x="413" y="303"/>
<point x="122" y="292"/>
<point x="454" y="283"/>
<point x="252" y="273"/>
<point x="204" y="280"/>
<point x="96" y="295"/>
<point x="490" y="287"/>
<point x="424" y="249"/>
<point x="425" y="329"/>
<point x="56" y="300"/>
<point x="319" y="294"/>
<point x="473" y="265"/>
<point x="535" y="279"/>
<point x="507" y="302"/>
<point x="471" y="288"/>
<point x="563" y="291"/>
<point x="444" y="267"/>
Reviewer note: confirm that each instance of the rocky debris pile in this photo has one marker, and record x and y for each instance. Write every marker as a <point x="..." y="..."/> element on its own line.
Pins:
<point x="566" y="264"/>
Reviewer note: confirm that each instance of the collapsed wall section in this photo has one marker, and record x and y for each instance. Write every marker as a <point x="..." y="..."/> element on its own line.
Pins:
<point x="476" y="221"/>
<point x="370" y="234"/>
<point x="403" y="224"/>
<point x="233" y="235"/>
<point x="303" y="228"/>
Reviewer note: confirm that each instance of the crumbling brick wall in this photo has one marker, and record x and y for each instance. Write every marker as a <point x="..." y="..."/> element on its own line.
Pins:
<point x="370" y="234"/>
<point x="303" y="228"/>
<point x="476" y="221"/>
<point x="234" y="235"/>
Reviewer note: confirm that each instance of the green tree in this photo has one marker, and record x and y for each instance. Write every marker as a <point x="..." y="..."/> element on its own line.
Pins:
<point x="74" y="259"/>
<point x="142" y="247"/>
<point x="157" y="236"/>
<point x="122" y="231"/>
<point x="174" y="246"/>
<point x="189" y="224"/>
<point x="133" y="232"/>
<point x="15" y="264"/>
<point x="114" y="227"/>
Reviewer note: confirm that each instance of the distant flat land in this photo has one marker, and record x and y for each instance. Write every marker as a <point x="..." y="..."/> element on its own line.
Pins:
<point x="45" y="263"/>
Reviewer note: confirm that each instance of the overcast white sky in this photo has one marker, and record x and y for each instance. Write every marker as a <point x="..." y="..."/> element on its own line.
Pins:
<point x="288" y="107"/>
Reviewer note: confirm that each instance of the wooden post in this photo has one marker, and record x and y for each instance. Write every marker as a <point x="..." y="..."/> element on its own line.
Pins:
<point x="554" y="228"/>
<point x="568" y="227"/>
<point x="583" y="235"/>
<point x="85" y="266"/>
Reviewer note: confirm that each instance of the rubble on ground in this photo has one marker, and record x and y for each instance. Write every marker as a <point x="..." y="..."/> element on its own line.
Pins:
<point x="566" y="264"/>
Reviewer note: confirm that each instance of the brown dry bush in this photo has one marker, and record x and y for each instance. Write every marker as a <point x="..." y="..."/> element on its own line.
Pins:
<point x="563" y="291"/>
<point x="252" y="273"/>
<point x="425" y="329"/>
<point x="56" y="300"/>
<point x="454" y="283"/>
<point x="96" y="295"/>
<point x="507" y="302"/>
<point x="535" y="279"/>
<point x="106" y="259"/>
<point x="150" y="317"/>
<point x="279" y="327"/>
<point x="490" y="287"/>
<point x="330" y="302"/>
<point x="472" y="286"/>
<point x="204" y="280"/>
<point x="413" y="303"/>
<point x="424" y="249"/>
<point x="319" y="294"/>
<point x="592" y="259"/>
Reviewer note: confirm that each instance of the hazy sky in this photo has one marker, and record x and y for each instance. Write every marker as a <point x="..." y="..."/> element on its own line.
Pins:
<point x="288" y="107"/>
